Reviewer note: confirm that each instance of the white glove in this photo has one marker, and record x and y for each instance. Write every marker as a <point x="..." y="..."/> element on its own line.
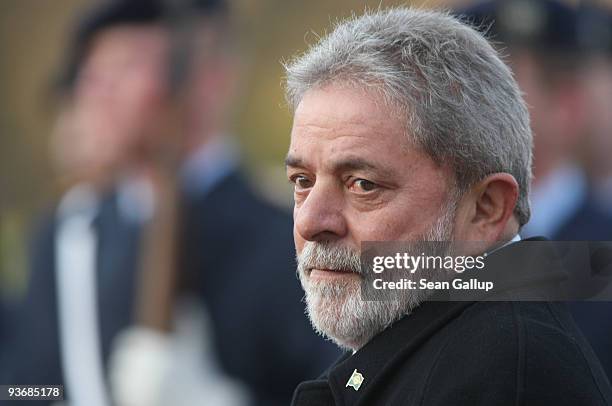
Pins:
<point x="149" y="368"/>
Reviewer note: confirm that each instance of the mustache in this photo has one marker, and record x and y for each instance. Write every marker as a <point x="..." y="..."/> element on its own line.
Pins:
<point x="328" y="255"/>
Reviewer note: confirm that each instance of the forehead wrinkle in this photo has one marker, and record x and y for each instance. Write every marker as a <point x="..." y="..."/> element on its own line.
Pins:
<point x="340" y="130"/>
<point x="325" y="114"/>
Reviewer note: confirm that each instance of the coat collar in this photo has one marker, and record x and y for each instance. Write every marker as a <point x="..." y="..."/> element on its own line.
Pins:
<point x="389" y="348"/>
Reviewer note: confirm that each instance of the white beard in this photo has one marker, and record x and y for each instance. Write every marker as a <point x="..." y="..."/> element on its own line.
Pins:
<point x="336" y="309"/>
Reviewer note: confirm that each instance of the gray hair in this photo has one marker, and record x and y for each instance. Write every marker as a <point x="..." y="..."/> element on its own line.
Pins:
<point x="462" y="104"/>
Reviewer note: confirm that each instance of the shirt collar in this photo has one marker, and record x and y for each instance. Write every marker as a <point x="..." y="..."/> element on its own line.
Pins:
<point x="514" y="239"/>
<point x="201" y="172"/>
<point x="81" y="199"/>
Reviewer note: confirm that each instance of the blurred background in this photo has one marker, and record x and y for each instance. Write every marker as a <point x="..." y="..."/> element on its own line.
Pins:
<point x="560" y="51"/>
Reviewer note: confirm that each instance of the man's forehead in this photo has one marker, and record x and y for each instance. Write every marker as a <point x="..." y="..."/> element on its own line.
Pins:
<point x="352" y="153"/>
<point x="348" y="106"/>
<point x="346" y="118"/>
<point x="345" y="127"/>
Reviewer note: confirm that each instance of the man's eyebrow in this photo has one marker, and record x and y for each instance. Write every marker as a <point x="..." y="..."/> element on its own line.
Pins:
<point x="354" y="163"/>
<point x="294" y="161"/>
<point x="359" y="164"/>
<point x="343" y="165"/>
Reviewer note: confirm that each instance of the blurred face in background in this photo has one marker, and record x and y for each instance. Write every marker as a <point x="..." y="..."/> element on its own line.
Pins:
<point x="598" y="86"/>
<point x="120" y="92"/>
<point x="556" y="105"/>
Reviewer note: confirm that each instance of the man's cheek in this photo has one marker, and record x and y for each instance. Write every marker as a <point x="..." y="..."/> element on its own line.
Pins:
<point x="384" y="226"/>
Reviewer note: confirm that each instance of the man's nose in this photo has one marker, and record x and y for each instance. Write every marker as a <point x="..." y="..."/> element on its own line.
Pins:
<point x="321" y="216"/>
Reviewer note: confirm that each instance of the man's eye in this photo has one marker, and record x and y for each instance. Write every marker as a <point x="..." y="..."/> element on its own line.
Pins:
<point x="301" y="182"/>
<point x="363" y="185"/>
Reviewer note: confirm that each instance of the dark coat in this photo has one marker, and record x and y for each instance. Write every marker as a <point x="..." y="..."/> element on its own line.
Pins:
<point x="591" y="223"/>
<point x="471" y="353"/>
<point x="238" y="257"/>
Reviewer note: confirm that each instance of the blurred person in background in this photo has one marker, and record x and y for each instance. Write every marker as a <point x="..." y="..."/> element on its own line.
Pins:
<point x="546" y="51"/>
<point x="544" y="41"/>
<point x="160" y="270"/>
<point x="597" y="78"/>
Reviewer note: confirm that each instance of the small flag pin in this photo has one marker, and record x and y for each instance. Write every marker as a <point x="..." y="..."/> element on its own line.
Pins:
<point x="355" y="380"/>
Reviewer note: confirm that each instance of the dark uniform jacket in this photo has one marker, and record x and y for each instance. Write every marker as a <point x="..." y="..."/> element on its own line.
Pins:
<point x="469" y="353"/>
<point x="591" y="223"/>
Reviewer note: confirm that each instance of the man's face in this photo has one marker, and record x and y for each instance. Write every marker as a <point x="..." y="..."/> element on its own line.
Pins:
<point x="121" y="88"/>
<point x="357" y="178"/>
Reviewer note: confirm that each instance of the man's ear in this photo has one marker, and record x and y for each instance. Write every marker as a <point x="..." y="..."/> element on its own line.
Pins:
<point x="488" y="207"/>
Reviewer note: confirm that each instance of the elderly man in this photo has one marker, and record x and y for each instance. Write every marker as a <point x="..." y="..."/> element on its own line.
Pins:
<point x="409" y="127"/>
